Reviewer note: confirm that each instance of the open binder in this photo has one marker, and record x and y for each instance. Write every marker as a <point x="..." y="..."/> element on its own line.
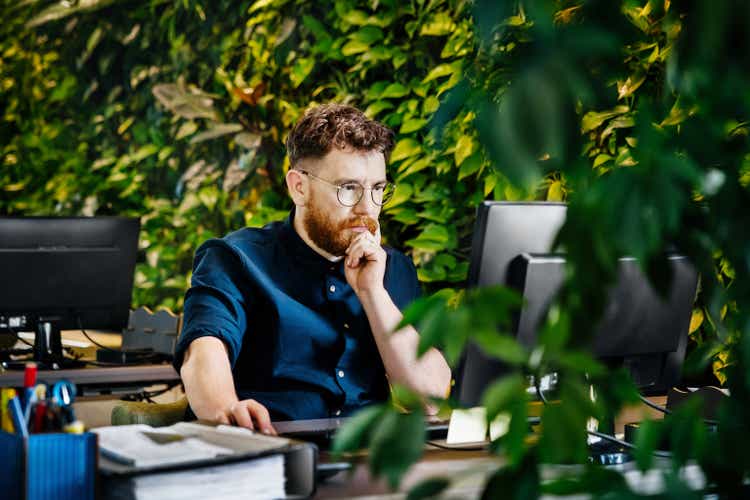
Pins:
<point x="192" y="460"/>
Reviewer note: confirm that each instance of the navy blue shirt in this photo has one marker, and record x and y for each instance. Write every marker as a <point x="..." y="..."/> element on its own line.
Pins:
<point x="298" y="338"/>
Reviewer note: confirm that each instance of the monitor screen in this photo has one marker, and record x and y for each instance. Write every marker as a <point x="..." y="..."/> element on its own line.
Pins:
<point x="512" y="246"/>
<point x="68" y="272"/>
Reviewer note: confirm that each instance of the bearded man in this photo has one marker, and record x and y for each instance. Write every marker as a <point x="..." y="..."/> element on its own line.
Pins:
<point x="295" y="320"/>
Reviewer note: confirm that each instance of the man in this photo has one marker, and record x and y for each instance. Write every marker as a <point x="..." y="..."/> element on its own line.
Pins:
<point x="294" y="320"/>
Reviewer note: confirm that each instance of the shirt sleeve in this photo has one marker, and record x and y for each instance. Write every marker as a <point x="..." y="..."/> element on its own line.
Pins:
<point x="215" y="304"/>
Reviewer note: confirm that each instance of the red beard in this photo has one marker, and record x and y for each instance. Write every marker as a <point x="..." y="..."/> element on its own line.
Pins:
<point x="329" y="235"/>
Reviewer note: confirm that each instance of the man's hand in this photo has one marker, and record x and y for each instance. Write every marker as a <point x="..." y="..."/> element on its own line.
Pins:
<point x="364" y="265"/>
<point x="247" y="413"/>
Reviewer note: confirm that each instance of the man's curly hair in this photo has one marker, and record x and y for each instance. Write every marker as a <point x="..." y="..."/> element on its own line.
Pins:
<point x="336" y="125"/>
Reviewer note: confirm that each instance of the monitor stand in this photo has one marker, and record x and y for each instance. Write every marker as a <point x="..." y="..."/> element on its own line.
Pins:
<point x="47" y="350"/>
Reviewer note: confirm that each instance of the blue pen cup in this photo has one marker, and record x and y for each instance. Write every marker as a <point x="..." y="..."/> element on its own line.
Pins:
<point x="48" y="466"/>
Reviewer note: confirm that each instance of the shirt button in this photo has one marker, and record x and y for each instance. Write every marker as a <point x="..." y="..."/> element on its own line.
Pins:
<point x="341" y="373"/>
<point x="332" y="288"/>
<point x="346" y="325"/>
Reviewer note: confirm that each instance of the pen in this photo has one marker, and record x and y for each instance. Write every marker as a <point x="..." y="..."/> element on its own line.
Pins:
<point x="16" y="414"/>
<point x="40" y="412"/>
<point x="29" y="383"/>
<point x="6" y="422"/>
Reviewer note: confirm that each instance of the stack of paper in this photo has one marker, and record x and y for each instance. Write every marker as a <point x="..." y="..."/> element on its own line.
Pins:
<point x="190" y="460"/>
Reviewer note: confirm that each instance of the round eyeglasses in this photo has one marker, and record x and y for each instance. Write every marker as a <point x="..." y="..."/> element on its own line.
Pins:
<point x="350" y="193"/>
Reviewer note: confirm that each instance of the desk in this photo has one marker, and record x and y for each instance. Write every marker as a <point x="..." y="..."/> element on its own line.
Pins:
<point x="469" y="471"/>
<point x="473" y="467"/>
<point x="99" y="379"/>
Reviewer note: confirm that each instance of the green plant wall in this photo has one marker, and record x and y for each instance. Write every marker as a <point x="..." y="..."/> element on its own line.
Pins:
<point x="177" y="111"/>
<point x="634" y="111"/>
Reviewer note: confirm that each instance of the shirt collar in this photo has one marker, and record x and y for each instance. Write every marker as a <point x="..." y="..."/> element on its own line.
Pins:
<point x="300" y="250"/>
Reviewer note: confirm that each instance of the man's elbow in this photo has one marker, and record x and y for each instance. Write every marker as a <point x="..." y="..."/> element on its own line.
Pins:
<point x="438" y="383"/>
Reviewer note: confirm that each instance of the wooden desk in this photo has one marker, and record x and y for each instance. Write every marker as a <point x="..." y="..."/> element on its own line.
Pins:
<point x="467" y="469"/>
<point x="468" y="472"/>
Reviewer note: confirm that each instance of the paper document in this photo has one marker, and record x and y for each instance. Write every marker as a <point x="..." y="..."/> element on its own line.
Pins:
<point x="145" y="446"/>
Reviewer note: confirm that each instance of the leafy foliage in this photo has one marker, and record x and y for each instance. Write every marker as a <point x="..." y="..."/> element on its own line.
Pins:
<point x="175" y="111"/>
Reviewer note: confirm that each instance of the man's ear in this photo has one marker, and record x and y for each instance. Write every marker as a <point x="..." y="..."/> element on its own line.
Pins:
<point x="297" y="186"/>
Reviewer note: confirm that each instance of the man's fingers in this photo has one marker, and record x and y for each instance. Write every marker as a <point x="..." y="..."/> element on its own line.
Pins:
<point x="354" y="255"/>
<point x="262" y="417"/>
<point x="241" y="414"/>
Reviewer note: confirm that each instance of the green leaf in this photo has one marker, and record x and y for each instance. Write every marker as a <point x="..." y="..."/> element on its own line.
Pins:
<point x="316" y="27"/>
<point x="397" y="443"/>
<point x="394" y="90"/>
<point x="367" y="35"/>
<point x="428" y="488"/>
<point x="465" y="147"/>
<point x="499" y="396"/>
<point x="354" y="47"/>
<point x="405" y="148"/>
<point x="400" y="195"/>
<point x="412" y="125"/>
<point x="500" y="346"/>
<point x="260" y="4"/>
<point x="470" y="166"/>
<point x="647" y="440"/>
<point x="592" y="120"/>
<point x="353" y="435"/>
<point x="354" y="16"/>
<point x="375" y="108"/>
<point x="601" y="158"/>
<point x="516" y="482"/>
<point x="300" y="71"/>
<point x="414" y="167"/>
<point x="438" y="24"/>
<point x="439" y="71"/>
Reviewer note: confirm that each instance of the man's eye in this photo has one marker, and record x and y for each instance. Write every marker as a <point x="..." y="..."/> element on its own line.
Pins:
<point x="378" y="187"/>
<point x="349" y="187"/>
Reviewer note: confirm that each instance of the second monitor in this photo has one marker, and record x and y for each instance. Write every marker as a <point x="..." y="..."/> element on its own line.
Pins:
<point x="512" y="246"/>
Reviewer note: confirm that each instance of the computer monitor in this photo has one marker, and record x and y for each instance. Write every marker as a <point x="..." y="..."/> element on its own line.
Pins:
<point x="65" y="273"/>
<point x="512" y="246"/>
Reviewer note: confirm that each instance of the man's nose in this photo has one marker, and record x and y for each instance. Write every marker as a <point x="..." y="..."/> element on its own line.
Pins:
<point x="366" y="206"/>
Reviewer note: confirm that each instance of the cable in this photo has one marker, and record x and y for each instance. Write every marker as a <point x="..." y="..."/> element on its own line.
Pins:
<point x="97" y="344"/>
<point x="653" y="405"/>
<point x="18" y="336"/>
<point x="667" y="411"/>
<point x="607" y="437"/>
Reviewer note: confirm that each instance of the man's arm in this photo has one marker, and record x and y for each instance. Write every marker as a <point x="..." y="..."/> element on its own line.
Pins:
<point x="209" y="386"/>
<point x="429" y="375"/>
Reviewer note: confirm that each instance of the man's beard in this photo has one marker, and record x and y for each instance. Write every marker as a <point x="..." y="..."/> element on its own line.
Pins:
<point x="328" y="234"/>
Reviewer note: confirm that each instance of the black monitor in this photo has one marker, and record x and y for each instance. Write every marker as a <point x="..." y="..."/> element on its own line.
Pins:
<point x="65" y="273"/>
<point x="512" y="246"/>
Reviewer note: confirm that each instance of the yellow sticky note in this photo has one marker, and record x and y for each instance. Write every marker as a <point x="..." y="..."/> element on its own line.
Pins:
<point x="467" y="426"/>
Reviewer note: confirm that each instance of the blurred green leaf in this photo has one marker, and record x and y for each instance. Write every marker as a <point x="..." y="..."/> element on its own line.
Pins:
<point x="397" y="442"/>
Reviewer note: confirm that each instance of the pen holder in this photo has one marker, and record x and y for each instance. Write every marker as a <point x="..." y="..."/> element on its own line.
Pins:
<point x="48" y="466"/>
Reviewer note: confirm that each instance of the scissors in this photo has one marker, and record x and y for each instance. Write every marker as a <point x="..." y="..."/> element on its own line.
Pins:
<point x="63" y="393"/>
